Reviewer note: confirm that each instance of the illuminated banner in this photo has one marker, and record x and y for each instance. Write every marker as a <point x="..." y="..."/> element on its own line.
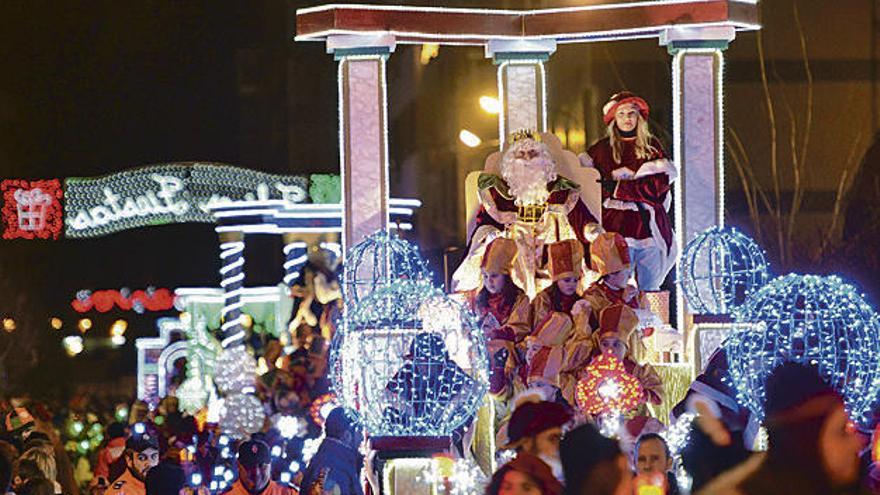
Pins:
<point x="168" y="193"/>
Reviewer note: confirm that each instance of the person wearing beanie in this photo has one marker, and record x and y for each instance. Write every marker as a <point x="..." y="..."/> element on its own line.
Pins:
<point x="116" y="434"/>
<point x="504" y="313"/>
<point x="812" y="447"/>
<point x="559" y="344"/>
<point x="337" y="463"/>
<point x="141" y="454"/>
<point x="255" y="471"/>
<point x="593" y="464"/>
<point x="535" y="428"/>
<point x="525" y="474"/>
<point x="637" y="178"/>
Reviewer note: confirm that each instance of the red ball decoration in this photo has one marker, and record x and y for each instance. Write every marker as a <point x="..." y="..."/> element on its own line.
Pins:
<point x="606" y="387"/>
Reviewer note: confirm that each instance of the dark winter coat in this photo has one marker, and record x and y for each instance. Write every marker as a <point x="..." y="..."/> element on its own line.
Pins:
<point x="341" y="465"/>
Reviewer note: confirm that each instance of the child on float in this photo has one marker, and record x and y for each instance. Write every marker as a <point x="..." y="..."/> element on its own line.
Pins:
<point x="559" y="344"/>
<point x="617" y="323"/>
<point x="637" y="177"/>
<point x="504" y="313"/>
<point x="610" y="258"/>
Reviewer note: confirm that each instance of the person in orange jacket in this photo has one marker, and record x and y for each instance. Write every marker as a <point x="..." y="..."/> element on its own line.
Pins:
<point x="141" y="454"/>
<point x="254" y="472"/>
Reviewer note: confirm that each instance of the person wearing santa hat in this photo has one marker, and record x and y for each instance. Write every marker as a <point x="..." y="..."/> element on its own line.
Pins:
<point x="504" y="313"/>
<point x="636" y="180"/>
<point x="616" y="324"/>
<point x="559" y="344"/>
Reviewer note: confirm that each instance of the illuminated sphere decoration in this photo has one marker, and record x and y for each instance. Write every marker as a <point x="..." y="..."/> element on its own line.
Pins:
<point x="606" y="387"/>
<point x="242" y="415"/>
<point x="235" y="370"/>
<point x="719" y="269"/>
<point x="819" y="321"/>
<point x="378" y="261"/>
<point x="411" y="361"/>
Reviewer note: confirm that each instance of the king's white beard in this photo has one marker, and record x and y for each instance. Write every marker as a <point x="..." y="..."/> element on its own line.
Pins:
<point x="528" y="180"/>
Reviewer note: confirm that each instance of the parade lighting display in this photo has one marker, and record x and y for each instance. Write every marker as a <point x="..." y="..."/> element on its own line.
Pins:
<point x="235" y="370"/>
<point x="378" y="261"/>
<point x="404" y="379"/>
<point x="168" y="193"/>
<point x="607" y="389"/>
<point x="139" y="301"/>
<point x="819" y="321"/>
<point x="720" y="269"/>
<point x="56" y="323"/>
<point x="32" y="209"/>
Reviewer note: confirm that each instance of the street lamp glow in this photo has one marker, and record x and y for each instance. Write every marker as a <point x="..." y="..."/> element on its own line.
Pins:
<point x="490" y="104"/>
<point x="73" y="344"/>
<point x="118" y="328"/>
<point x="469" y="139"/>
<point x="9" y="324"/>
<point x="84" y="325"/>
<point x="56" y="323"/>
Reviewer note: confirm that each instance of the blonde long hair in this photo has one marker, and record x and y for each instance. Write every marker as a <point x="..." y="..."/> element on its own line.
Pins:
<point x="644" y="149"/>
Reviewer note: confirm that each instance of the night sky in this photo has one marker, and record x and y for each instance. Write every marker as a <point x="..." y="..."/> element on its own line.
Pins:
<point x="90" y="88"/>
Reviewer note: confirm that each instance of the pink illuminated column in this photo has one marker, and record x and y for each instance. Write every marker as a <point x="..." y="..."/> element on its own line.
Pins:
<point x="522" y="84"/>
<point x="363" y="135"/>
<point x="698" y="130"/>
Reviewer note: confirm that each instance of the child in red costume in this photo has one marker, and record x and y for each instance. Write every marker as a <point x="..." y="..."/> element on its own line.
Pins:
<point x="610" y="258"/>
<point x="559" y="345"/>
<point x="616" y="323"/>
<point x="504" y="314"/>
<point x="636" y="180"/>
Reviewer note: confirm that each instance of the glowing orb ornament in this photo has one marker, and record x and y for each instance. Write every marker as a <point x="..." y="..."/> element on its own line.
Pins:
<point x="820" y="321"/>
<point x="378" y="261"/>
<point x="242" y="415"/>
<point x="235" y="370"/>
<point x="719" y="269"/>
<point x="606" y="388"/>
<point x="411" y="361"/>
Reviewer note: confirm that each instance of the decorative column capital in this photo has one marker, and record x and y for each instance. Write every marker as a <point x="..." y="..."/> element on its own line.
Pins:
<point x="709" y="37"/>
<point x="347" y="45"/>
<point x="501" y="51"/>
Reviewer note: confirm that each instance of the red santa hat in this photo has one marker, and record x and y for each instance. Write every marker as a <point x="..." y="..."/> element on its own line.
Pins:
<point x="623" y="98"/>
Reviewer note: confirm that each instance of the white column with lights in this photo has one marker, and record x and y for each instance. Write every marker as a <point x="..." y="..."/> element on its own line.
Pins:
<point x="522" y="83"/>
<point x="232" y="282"/>
<point x="698" y="131"/>
<point x="363" y="132"/>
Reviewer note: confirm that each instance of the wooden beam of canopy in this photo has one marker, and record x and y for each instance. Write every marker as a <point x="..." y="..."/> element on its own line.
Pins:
<point x="597" y="22"/>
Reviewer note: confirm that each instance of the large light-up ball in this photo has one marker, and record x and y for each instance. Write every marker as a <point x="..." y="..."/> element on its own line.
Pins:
<point x="411" y="361"/>
<point x="719" y="269"/>
<point x="235" y="370"/>
<point x="820" y="321"/>
<point x="378" y="261"/>
<point x="242" y="415"/>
